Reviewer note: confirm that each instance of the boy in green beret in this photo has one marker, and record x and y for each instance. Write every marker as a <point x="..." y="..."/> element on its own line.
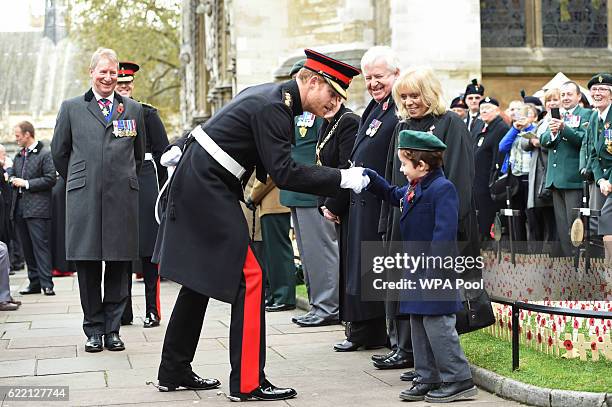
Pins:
<point x="430" y="213"/>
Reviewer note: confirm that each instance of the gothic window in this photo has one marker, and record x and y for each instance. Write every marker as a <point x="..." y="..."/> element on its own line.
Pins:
<point x="575" y="24"/>
<point x="544" y="23"/>
<point x="502" y="23"/>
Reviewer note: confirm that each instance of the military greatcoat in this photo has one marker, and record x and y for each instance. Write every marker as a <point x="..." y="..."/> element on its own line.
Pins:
<point x="203" y="237"/>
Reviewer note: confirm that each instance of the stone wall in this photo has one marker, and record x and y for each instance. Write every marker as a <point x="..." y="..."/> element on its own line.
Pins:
<point x="448" y="41"/>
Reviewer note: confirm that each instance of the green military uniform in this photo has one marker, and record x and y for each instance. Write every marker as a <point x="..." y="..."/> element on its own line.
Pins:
<point x="595" y="156"/>
<point x="601" y="152"/>
<point x="564" y="159"/>
<point x="562" y="172"/>
<point x="306" y="129"/>
<point x="315" y="235"/>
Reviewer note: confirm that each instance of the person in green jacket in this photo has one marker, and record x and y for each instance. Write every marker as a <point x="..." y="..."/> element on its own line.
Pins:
<point x="315" y="236"/>
<point x="563" y="139"/>
<point x="600" y="157"/>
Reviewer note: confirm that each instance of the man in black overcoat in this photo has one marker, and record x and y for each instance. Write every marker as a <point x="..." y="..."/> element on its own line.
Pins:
<point x="32" y="178"/>
<point x="203" y="240"/>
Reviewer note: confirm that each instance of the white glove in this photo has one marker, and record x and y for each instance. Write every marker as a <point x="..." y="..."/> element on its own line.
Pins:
<point x="353" y="178"/>
<point x="171" y="157"/>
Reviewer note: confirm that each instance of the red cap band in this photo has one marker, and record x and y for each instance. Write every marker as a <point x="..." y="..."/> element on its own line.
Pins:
<point x="318" y="66"/>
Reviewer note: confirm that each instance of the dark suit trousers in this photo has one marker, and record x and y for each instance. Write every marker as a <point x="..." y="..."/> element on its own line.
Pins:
<point x="102" y="316"/>
<point x="34" y="237"/>
<point x="247" y="333"/>
<point x="151" y="283"/>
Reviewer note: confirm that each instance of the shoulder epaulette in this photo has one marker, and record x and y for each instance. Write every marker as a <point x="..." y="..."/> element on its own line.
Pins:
<point x="147" y="105"/>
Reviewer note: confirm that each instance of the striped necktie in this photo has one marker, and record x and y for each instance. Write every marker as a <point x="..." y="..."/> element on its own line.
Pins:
<point x="105" y="106"/>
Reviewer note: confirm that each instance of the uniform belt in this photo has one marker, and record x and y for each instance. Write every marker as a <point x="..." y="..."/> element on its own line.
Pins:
<point x="148" y="157"/>
<point x="216" y="152"/>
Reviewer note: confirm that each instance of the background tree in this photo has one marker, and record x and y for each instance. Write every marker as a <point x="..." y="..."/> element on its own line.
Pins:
<point x="143" y="31"/>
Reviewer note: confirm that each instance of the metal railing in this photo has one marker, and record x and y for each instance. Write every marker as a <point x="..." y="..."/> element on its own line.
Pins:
<point x="519" y="305"/>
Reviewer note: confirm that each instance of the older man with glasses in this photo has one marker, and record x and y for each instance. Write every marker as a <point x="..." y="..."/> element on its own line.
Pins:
<point x="599" y="149"/>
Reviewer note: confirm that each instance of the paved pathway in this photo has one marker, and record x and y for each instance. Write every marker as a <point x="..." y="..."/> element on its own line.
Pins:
<point x="42" y="344"/>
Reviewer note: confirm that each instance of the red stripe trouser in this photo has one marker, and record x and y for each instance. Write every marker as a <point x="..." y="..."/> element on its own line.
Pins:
<point x="247" y="333"/>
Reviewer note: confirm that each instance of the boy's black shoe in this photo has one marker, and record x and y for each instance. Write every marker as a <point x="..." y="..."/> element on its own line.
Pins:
<point x="448" y="392"/>
<point x="418" y="391"/>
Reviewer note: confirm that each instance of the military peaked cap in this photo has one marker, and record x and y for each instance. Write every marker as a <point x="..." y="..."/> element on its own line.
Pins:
<point x="127" y="71"/>
<point x="336" y="73"/>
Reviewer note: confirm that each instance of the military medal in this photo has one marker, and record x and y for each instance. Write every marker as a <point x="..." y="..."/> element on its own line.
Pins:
<point x="308" y="119"/>
<point x="124" y="128"/>
<point x="608" y="140"/>
<point x="572" y="120"/>
<point x="373" y="128"/>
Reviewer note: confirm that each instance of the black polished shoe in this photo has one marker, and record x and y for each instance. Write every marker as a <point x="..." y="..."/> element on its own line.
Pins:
<point x="113" y="342"/>
<point x="266" y="392"/>
<point x="30" y="290"/>
<point x="316" y="320"/>
<point x="94" y="344"/>
<point x="151" y="321"/>
<point x="280" y="307"/>
<point x="399" y="360"/>
<point x="191" y="382"/>
<point x="48" y="291"/>
<point x="448" y="392"/>
<point x="348" y="346"/>
<point x="409" y="376"/>
<point x="385" y="356"/>
<point x="418" y="391"/>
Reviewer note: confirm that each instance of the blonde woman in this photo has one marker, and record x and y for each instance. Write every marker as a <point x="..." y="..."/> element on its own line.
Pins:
<point x="420" y="104"/>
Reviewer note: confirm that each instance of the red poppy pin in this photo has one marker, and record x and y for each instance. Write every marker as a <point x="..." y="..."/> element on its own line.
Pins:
<point x="120" y="108"/>
<point x="568" y="344"/>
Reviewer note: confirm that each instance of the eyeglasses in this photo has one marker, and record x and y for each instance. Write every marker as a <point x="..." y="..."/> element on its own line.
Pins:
<point x="600" y="89"/>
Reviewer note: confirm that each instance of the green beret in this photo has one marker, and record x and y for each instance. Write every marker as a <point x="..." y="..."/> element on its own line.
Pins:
<point x="419" y="140"/>
<point x="297" y="66"/>
<point x="603" y="78"/>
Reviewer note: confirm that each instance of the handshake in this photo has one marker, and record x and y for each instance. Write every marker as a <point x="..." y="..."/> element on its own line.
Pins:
<point x="354" y="178"/>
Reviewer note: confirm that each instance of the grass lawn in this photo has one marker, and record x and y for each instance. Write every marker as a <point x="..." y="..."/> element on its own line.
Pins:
<point x="537" y="368"/>
<point x="300" y="291"/>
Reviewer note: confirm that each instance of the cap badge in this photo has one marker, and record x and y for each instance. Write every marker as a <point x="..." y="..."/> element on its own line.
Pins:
<point x="600" y="79"/>
<point x="487" y="99"/>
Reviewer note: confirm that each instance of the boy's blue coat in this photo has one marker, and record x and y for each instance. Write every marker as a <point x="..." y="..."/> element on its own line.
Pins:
<point x="431" y="216"/>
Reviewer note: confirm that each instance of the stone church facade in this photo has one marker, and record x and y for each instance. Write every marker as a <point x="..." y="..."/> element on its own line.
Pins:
<point x="509" y="45"/>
